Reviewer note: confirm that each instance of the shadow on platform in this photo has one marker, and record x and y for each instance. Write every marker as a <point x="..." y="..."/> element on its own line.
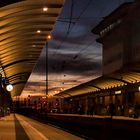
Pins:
<point x="20" y="132"/>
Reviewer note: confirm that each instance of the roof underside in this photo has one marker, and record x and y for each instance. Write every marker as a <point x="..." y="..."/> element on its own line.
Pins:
<point x="20" y="44"/>
<point x="116" y="80"/>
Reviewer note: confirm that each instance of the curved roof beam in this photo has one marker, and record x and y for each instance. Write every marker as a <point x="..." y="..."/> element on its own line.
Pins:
<point x="15" y="62"/>
<point x="19" y="24"/>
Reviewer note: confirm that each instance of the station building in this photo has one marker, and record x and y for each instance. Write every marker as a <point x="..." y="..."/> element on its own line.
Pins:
<point x="119" y="33"/>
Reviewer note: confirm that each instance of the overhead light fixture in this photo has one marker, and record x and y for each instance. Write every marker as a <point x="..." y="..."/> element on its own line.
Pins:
<point x="45" y="9"/>
<point x="49" y="37"/>
<point x="33" y="45"/>
<point x="61" y="89"/>
<point x="38" y="31"/>
<point x="139" y="88"/>
<point x="118" y="92"/>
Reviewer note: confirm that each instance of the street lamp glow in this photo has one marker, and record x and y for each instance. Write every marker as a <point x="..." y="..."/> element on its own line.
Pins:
<point x="139" y="88"/>
<point x="9" y="87"/>
<point x="118" y="92"/>
<point x="45" y="9"/>
<point x="49" y="37"/>
<point x="38" y="31"/>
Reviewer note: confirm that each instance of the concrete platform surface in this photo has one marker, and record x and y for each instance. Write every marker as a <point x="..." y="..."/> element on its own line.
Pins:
<point x="18" y="127"/>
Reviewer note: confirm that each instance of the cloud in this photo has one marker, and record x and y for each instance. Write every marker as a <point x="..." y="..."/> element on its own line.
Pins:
<point x="30" y="84"/>
<point x="71" y="40"/>
<point x="75" y="65"/>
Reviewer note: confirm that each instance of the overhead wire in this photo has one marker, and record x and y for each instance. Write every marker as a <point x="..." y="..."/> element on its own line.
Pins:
<point x="71" y="18"/>
<point x="71" y="14"/>
<point x="83" y="49"/>
<point x="70" y="29"/>
<point x="87" y="46"/>
<point x="70" y="21"/>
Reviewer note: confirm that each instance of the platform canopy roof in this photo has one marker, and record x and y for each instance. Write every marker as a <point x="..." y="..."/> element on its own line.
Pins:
<point x="123" y="77"/>
<point x="24" y="27"/>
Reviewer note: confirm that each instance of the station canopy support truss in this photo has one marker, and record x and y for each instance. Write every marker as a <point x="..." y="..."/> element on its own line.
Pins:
<point x="124" y="77"/>
<point x="23" y="34"/>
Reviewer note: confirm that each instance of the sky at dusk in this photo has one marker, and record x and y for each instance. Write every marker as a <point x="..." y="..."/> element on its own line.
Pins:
<point x="36" y="84"/>
<point x="74" y="56"/>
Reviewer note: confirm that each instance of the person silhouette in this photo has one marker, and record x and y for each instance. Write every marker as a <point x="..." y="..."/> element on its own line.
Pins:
<point x="111" y="108"/>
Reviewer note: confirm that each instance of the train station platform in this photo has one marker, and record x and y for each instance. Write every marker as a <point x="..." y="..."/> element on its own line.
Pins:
<point x="100" y="127"/>
<point x="97" y="116"/>
<point x="18" y="127"/>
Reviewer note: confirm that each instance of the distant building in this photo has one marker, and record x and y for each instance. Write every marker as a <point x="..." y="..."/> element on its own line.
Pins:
<point x="120" y="35"/>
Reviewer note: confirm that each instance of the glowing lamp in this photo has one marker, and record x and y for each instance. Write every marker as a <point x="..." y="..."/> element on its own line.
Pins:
<point x="49" y="37"/>
<point x="45" y="9"/>
<point x="139" y="88"/>
<point x="38" y="31"/>
<point x="9" y="87"/>
<point x="118" y="92"/>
